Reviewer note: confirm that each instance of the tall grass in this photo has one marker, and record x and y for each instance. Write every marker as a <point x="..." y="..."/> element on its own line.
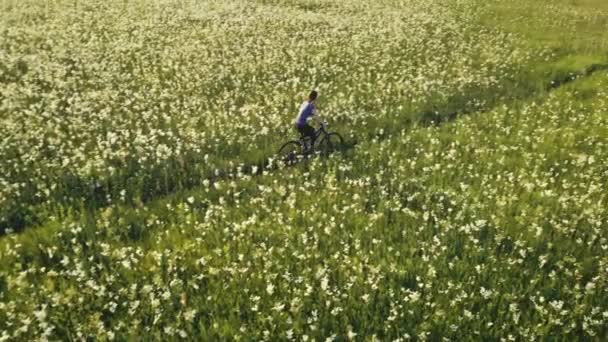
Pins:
<point x="472" y="206"/>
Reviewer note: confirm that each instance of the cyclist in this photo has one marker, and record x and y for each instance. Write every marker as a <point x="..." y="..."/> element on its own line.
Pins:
<point x="307" y="110"/>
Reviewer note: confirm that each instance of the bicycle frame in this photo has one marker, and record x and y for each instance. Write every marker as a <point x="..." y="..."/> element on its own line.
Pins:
<point x="293" y="148"/>
<point x="318" y="133"/>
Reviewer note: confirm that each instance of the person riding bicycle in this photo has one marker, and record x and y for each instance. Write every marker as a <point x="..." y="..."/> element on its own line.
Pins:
<point x="307" y="110"/>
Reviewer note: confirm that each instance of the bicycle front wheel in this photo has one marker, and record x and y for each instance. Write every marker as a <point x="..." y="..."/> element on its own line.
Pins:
<point x="330" y="143"/>
<point x="289" y="152"/>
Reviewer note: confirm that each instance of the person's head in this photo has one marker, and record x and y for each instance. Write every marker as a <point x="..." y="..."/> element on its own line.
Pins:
<point x="313" y="96"/>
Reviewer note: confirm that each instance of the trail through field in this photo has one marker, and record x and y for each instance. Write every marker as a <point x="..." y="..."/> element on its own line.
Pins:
<point x="428" y="118"/>
<point x="588" y="71"/>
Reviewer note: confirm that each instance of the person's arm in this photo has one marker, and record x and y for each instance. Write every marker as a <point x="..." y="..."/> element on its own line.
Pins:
<point x="315" y="114"/>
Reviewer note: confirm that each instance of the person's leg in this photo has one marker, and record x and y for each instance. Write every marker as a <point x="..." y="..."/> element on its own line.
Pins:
<point x="309" y="131"/>
<point x="300" y="130"/>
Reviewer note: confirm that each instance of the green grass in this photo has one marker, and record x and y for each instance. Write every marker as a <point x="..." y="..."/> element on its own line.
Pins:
<point x="489" y="225"/>
<point x="571" y="37"/>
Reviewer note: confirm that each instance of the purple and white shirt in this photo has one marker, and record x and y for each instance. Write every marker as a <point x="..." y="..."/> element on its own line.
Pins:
<point x="307" y="109"/>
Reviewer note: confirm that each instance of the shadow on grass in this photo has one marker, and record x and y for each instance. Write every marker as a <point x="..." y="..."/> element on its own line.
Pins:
<point x="270" y="164"/>
<point x="88" y="196"/>
<point x="571" y="77"/>
<point x="437" y="118"/>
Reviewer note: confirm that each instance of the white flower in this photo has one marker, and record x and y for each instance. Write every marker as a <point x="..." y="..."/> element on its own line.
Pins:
<point x="351" y="335"/>
<point x="270" y="289"/>
<point x="278" y="307"/>
<point x="324" y="283"/>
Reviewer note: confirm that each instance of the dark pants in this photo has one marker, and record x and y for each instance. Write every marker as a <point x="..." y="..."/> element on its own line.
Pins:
<point x="307" y="131"/>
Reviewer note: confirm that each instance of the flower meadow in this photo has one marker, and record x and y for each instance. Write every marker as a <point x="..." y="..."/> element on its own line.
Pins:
<point x="102" y="102"/>
<point x="473" y="205"/>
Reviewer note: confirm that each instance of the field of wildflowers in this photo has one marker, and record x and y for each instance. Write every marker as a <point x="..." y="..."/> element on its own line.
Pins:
<point x="102" y="102"/>
<point x="473" y="205"/>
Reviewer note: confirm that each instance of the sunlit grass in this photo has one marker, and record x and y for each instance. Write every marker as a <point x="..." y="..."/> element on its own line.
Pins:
<point x="473" y="205"/>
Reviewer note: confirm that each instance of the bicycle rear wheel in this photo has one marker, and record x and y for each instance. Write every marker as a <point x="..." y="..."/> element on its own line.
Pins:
<point x="289" y="152"/>
<point x="330" y="143"/>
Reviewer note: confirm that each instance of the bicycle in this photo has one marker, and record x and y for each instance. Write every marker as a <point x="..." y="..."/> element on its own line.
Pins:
<point x="328" y="142"/>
